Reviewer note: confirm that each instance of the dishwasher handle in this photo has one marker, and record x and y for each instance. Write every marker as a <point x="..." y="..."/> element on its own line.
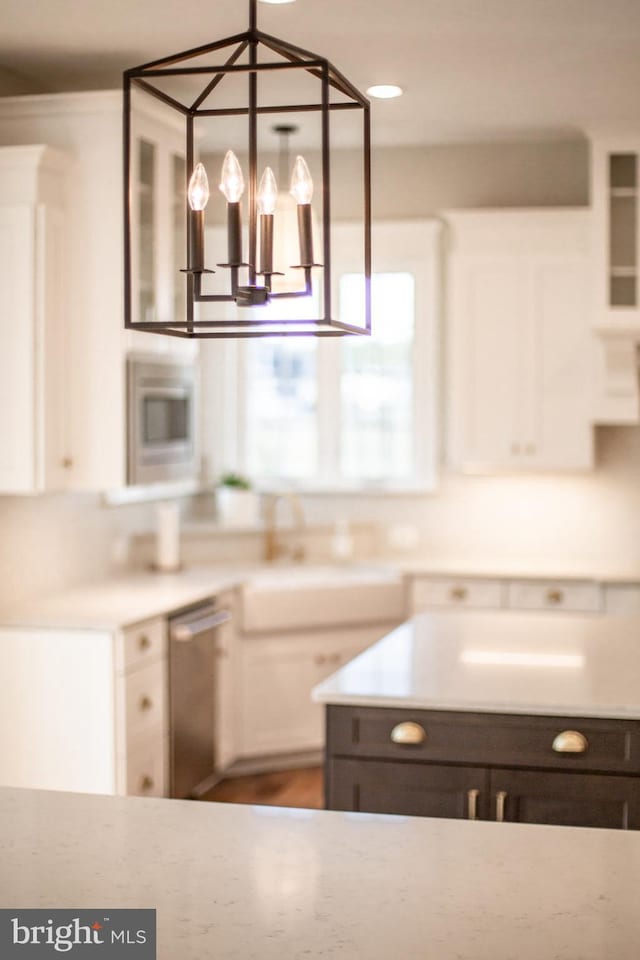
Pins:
<point x="185" y="632"/>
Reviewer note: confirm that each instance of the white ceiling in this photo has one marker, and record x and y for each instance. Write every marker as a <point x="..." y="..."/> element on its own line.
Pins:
<point x="472" y="69"/>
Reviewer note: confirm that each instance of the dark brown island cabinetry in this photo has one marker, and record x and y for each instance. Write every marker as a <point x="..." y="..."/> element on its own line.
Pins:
<point x="572" y="771"/>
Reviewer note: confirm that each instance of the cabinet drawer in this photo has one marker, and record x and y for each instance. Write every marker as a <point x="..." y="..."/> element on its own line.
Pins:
<point x="492" y="739"/>
<point x="145" y="701"/>
<point x="147" y="767"/>
<point x="143" y="643"/>
<point x="622" y="598"/>
<point x="583" y="597"/>
<point x="463" y="593"/>
<point x="408" y="789"/>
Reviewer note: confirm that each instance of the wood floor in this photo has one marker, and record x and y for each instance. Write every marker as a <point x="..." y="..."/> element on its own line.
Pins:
<point x="285" y="788"/>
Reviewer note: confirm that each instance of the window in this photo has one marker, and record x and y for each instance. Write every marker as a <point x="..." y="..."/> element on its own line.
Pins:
<point x="377" y="383"/>
<point x="356" y="412"/>
<point x="281" y="430"/>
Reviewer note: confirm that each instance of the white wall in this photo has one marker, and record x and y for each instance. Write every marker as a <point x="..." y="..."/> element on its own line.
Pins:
<point x="54" y="541"/>
<point x="14" y="84"/>
<point x="419" y="182"/>
<point x="589" y="522"/>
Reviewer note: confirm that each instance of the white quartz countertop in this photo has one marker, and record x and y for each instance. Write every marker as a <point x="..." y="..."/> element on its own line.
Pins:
<point x="243" y="882"/>
<point x="504" y="662"/>
<point x="118" y="602"/>
<point x="138" y="595"/>
<point x="110" y="604"/>
<point x="516" y="569"/>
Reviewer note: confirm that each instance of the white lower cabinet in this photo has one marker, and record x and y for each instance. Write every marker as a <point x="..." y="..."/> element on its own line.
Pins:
<point x="479" y="593"/>
<point x="622" y="598"/>
<point x="571" y="595"/>
<point x="79" y="712"/>
<point x="465" y="593"/>
<point x="278" y="673"/>
<point x="146" y="769"/>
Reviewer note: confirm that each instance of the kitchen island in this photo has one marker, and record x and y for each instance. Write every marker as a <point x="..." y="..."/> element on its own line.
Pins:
<point x="240" y="882"/>
<point x="524" y="717"/>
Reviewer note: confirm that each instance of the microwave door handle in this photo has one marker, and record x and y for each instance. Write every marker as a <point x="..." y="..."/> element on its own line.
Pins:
<point x="185" y="632"/>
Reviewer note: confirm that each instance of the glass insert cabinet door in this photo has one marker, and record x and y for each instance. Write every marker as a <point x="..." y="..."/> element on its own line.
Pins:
<point x="159" y="222"/>
<point x="623" y="229"/>
<point x="615" y="184"/>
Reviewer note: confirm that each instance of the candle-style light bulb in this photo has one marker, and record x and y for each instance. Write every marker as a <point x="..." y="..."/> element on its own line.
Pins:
<point x="267" y="199"/>
<point x="198" y="196"/>
<point x="231" y="181"/>
<point x="267" y="192"/>
<point x="198" y="191"/>
<point x="301" y="187"/>
<point x="232" y="185"/>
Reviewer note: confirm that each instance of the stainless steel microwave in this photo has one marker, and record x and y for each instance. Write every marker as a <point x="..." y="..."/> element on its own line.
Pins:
<point x="161" y="420"/>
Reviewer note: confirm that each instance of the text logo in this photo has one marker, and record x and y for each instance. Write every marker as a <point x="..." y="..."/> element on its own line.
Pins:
<point x="99" y="934"/>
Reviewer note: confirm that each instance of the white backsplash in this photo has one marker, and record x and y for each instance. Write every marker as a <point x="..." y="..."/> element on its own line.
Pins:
<point x="589" y="522"/>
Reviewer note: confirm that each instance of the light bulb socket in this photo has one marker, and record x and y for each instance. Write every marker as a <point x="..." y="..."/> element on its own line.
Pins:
<point x="305" y="234"/>
<point x="234" y="233"/>
<point x="196" y="241"/>
<point x="266" y="243"/>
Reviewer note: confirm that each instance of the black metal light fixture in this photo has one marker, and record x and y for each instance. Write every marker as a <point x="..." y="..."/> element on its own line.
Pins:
<point x="251" y="303"/>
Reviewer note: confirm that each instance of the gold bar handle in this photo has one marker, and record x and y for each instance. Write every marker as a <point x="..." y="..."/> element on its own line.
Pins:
<point x="501" y="799"/>
<point x="408" y="733"/>
<point x="570" y="741"/>
<point x="472" y="804"/>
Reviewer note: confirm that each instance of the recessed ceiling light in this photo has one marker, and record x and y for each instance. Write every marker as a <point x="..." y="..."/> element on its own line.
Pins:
<point x="276" y="1"/>
<point x="385" y="91"/>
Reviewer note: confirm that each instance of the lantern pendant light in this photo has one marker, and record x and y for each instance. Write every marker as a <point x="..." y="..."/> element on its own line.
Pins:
<point x="251" y="302"/>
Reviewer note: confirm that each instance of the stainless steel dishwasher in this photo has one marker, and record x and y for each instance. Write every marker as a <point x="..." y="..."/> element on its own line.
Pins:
<point x="192" y="659"/>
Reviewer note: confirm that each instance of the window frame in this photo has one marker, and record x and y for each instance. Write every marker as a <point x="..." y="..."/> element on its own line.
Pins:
<point x="398" y="247"/>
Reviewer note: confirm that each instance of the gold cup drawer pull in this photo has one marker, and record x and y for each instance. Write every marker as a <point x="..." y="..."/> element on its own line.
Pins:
<point x="408" y="733"/>
<point x="555" y="597"/>
<point x="459" y="593"/>
<point x="570" y="741"/>
<point x="146" y="782"/>
<point x="146" y="703"/>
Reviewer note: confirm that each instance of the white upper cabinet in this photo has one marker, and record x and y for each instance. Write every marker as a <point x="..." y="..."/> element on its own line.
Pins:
<point x="518" y="339"/>
<point x="34" y="451"/>
<point x="159" y="240"/>
<point x="88" y="128"/>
